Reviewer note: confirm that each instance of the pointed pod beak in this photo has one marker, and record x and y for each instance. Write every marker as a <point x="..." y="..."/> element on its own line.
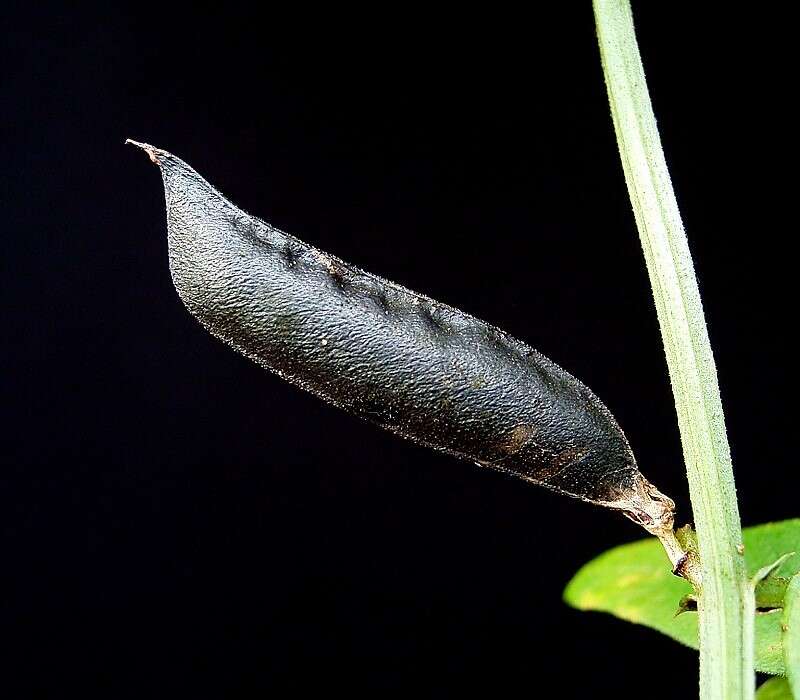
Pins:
<point x="151" y="151"/>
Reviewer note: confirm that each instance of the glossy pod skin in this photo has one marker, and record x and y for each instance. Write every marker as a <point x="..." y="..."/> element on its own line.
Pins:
<point x="401" y="360"/>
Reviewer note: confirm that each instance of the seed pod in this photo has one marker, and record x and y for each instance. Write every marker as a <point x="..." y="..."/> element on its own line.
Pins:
<point x="401" y="360"/>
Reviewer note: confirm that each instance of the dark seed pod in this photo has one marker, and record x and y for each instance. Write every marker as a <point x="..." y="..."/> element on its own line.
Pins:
<point x="401" y="360"/>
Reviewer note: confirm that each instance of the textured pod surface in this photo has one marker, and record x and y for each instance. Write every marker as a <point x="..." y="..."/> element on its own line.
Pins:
<point x="401" y="360"/>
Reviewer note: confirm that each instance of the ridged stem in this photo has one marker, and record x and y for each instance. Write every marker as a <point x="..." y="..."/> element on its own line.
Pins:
<point x="726" y="601"/>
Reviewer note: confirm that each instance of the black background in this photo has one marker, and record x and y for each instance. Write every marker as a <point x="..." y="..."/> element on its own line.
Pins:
<point x="178" y="523"/>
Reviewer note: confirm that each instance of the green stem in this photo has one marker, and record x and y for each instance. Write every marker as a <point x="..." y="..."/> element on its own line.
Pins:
<point x="726" y="601"/>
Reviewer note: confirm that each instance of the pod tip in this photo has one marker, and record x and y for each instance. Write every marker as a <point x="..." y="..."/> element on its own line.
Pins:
<point x="147" y="148"/>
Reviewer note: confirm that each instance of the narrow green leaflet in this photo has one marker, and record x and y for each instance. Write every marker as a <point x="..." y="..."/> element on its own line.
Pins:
<point x="634" y="582"/>
<point x="774" y="689"/>
<point x="791" y="634"/>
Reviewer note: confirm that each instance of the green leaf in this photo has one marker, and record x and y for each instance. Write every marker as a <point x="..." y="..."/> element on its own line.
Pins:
<point x="765" y="573"/>
<point x="634" y="582"/>
<point x="791" y="634"/>
<point x="771" y="591"/>
<point x="774" y="689"/>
